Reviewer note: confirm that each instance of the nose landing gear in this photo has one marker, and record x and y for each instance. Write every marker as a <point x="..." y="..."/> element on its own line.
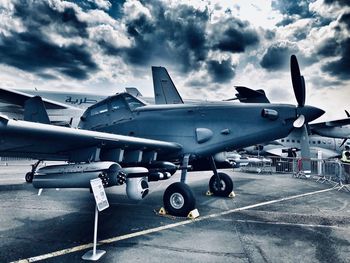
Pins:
<point x="30" y="175"/>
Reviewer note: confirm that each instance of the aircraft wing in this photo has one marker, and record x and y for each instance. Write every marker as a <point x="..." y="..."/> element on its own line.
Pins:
<point x="48" y="142"/>
<point x="19" y="98"/>
<point x="335" y="123"/>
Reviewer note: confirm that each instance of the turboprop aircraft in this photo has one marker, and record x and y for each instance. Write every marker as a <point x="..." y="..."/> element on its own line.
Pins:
<point x="290" y="147"/>
<point x="122" y="139"/>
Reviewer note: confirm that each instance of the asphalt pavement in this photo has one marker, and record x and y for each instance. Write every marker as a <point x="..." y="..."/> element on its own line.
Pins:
<point x="273" y="218"/>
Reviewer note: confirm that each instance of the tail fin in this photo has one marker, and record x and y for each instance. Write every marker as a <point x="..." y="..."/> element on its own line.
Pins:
<point x="34" y="110"/>
<point x="165" y="91"/>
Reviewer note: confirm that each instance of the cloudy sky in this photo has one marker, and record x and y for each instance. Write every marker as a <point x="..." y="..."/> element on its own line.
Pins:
<point x="207" y="46"/>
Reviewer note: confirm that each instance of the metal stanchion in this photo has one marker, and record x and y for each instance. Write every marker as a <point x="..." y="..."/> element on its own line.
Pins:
<point x="340" y="184"/>
<point x="101" y="204"/>
<point x="94" y="254"/>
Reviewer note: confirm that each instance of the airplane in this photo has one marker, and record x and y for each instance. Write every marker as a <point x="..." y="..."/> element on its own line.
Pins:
<point x="290" y="147"/>
<point x="121" y="139"/>
<point x="335" y="129"/>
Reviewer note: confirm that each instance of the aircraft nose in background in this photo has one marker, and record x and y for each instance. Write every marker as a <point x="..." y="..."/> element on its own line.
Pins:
<point x="311" y="113"/>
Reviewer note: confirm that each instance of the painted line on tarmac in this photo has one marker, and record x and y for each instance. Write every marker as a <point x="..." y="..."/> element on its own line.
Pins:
<point x="162" y="228"/>
<point x="288" y="224"/>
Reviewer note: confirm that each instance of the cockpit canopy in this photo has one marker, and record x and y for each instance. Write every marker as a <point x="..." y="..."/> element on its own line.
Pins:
<point x="110" y="111"/>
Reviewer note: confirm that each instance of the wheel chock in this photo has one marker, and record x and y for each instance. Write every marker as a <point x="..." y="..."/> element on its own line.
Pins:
<point x="232" y="195"/>
<point x="193" y="214"/>
<point x="209" y="193"/>
<point x="162" y="211"/>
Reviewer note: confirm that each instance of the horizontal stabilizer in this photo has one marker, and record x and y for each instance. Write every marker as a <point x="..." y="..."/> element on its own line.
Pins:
<point x="248" y="95"/>
<point x="19" y="98"/>
<point x="165" y="91"/>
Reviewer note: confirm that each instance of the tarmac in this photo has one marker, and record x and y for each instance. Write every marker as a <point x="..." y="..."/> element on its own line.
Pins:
<point x="273" y="218"/>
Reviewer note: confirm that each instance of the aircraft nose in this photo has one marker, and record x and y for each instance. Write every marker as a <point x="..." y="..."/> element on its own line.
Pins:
<point x="311" y="113"/>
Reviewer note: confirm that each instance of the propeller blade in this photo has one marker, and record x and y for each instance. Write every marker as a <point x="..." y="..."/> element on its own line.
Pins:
<point x="297" y="81"/>
<point x="305" y="149"/>
<point x="347" y="113"/>
<point x="299" y="122"/>
<point x="343" y="142"/>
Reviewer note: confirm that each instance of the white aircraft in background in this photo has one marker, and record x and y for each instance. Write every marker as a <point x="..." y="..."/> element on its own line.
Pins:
<point x="290" y="147"/>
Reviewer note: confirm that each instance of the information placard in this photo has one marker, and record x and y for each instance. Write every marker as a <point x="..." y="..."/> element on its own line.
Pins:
<point x="99" y="194"/>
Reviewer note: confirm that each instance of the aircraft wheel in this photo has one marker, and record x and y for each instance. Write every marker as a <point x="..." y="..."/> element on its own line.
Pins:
<point x="223" y="187"/>
<point x="29" y="177"/>
<point x="179" y="199"/>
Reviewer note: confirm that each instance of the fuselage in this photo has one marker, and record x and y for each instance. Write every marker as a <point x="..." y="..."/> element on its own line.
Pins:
<point x="202" y="129"/>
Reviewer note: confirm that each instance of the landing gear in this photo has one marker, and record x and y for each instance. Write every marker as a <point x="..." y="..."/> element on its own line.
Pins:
<point x="30" y="175"/>
<point x="179" y="199"/>
<point x="220" y="184"/>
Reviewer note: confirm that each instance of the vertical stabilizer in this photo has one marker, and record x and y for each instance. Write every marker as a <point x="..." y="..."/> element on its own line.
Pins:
<point x="34" y="111"/>
<point x="165" y="91"/>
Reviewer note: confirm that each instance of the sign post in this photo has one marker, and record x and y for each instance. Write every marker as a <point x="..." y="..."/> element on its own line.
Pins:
<point x="101" y="204"/>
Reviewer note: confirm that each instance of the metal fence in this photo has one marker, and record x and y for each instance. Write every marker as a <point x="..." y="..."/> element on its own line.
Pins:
<point x="323" y="170"/>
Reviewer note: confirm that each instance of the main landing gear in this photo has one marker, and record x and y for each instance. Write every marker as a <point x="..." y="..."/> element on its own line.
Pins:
<point x="30" y="175"/>
<point x="220" y="184"/>
<point x="179" y="199"/>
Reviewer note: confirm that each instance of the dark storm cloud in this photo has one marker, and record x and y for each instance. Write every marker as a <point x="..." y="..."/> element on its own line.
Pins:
<point x="30" y="52"/>
<point x="182" y="36"/>
<point x="177" y="35"/>
<point x="221" y="71"/>
<point x="269" y="34"/>
<point x="296" y="7"/>
<point x="277" y="56"/>
<point x="233" y="35"/>
<point x="37" y="15"/>
<point x="345" y="19"/>
<point x="340" y="2"/>
<point x="329" y="48"/>
<point x="34" y="52"/>
<point x="340" y="67"/>
<point x="292" y="10"/>
<point x="337" y="50"/>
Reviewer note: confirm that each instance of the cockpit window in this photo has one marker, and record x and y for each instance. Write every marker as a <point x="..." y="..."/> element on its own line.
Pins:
<point x="99" y="109"/>
<point x="133" y="102"/>
<point x="117" y="104"/>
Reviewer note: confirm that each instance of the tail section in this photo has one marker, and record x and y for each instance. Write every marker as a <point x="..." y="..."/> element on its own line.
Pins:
<point x="165" y="91"/>
<point x="35" y="111"/>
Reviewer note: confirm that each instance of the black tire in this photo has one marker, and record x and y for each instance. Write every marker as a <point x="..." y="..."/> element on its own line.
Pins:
<point x="29" y="177"/>
<point x="179" y="199"/>
<point x="225" y="186"/>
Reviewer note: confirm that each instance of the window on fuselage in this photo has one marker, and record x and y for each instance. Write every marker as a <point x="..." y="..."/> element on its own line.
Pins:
<point x="117" y="103"/>
<point x="99" y="109"/>
<point x="132" y="102"/>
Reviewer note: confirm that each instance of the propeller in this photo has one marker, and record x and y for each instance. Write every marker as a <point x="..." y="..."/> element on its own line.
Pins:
<point x="298" y="83"/>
